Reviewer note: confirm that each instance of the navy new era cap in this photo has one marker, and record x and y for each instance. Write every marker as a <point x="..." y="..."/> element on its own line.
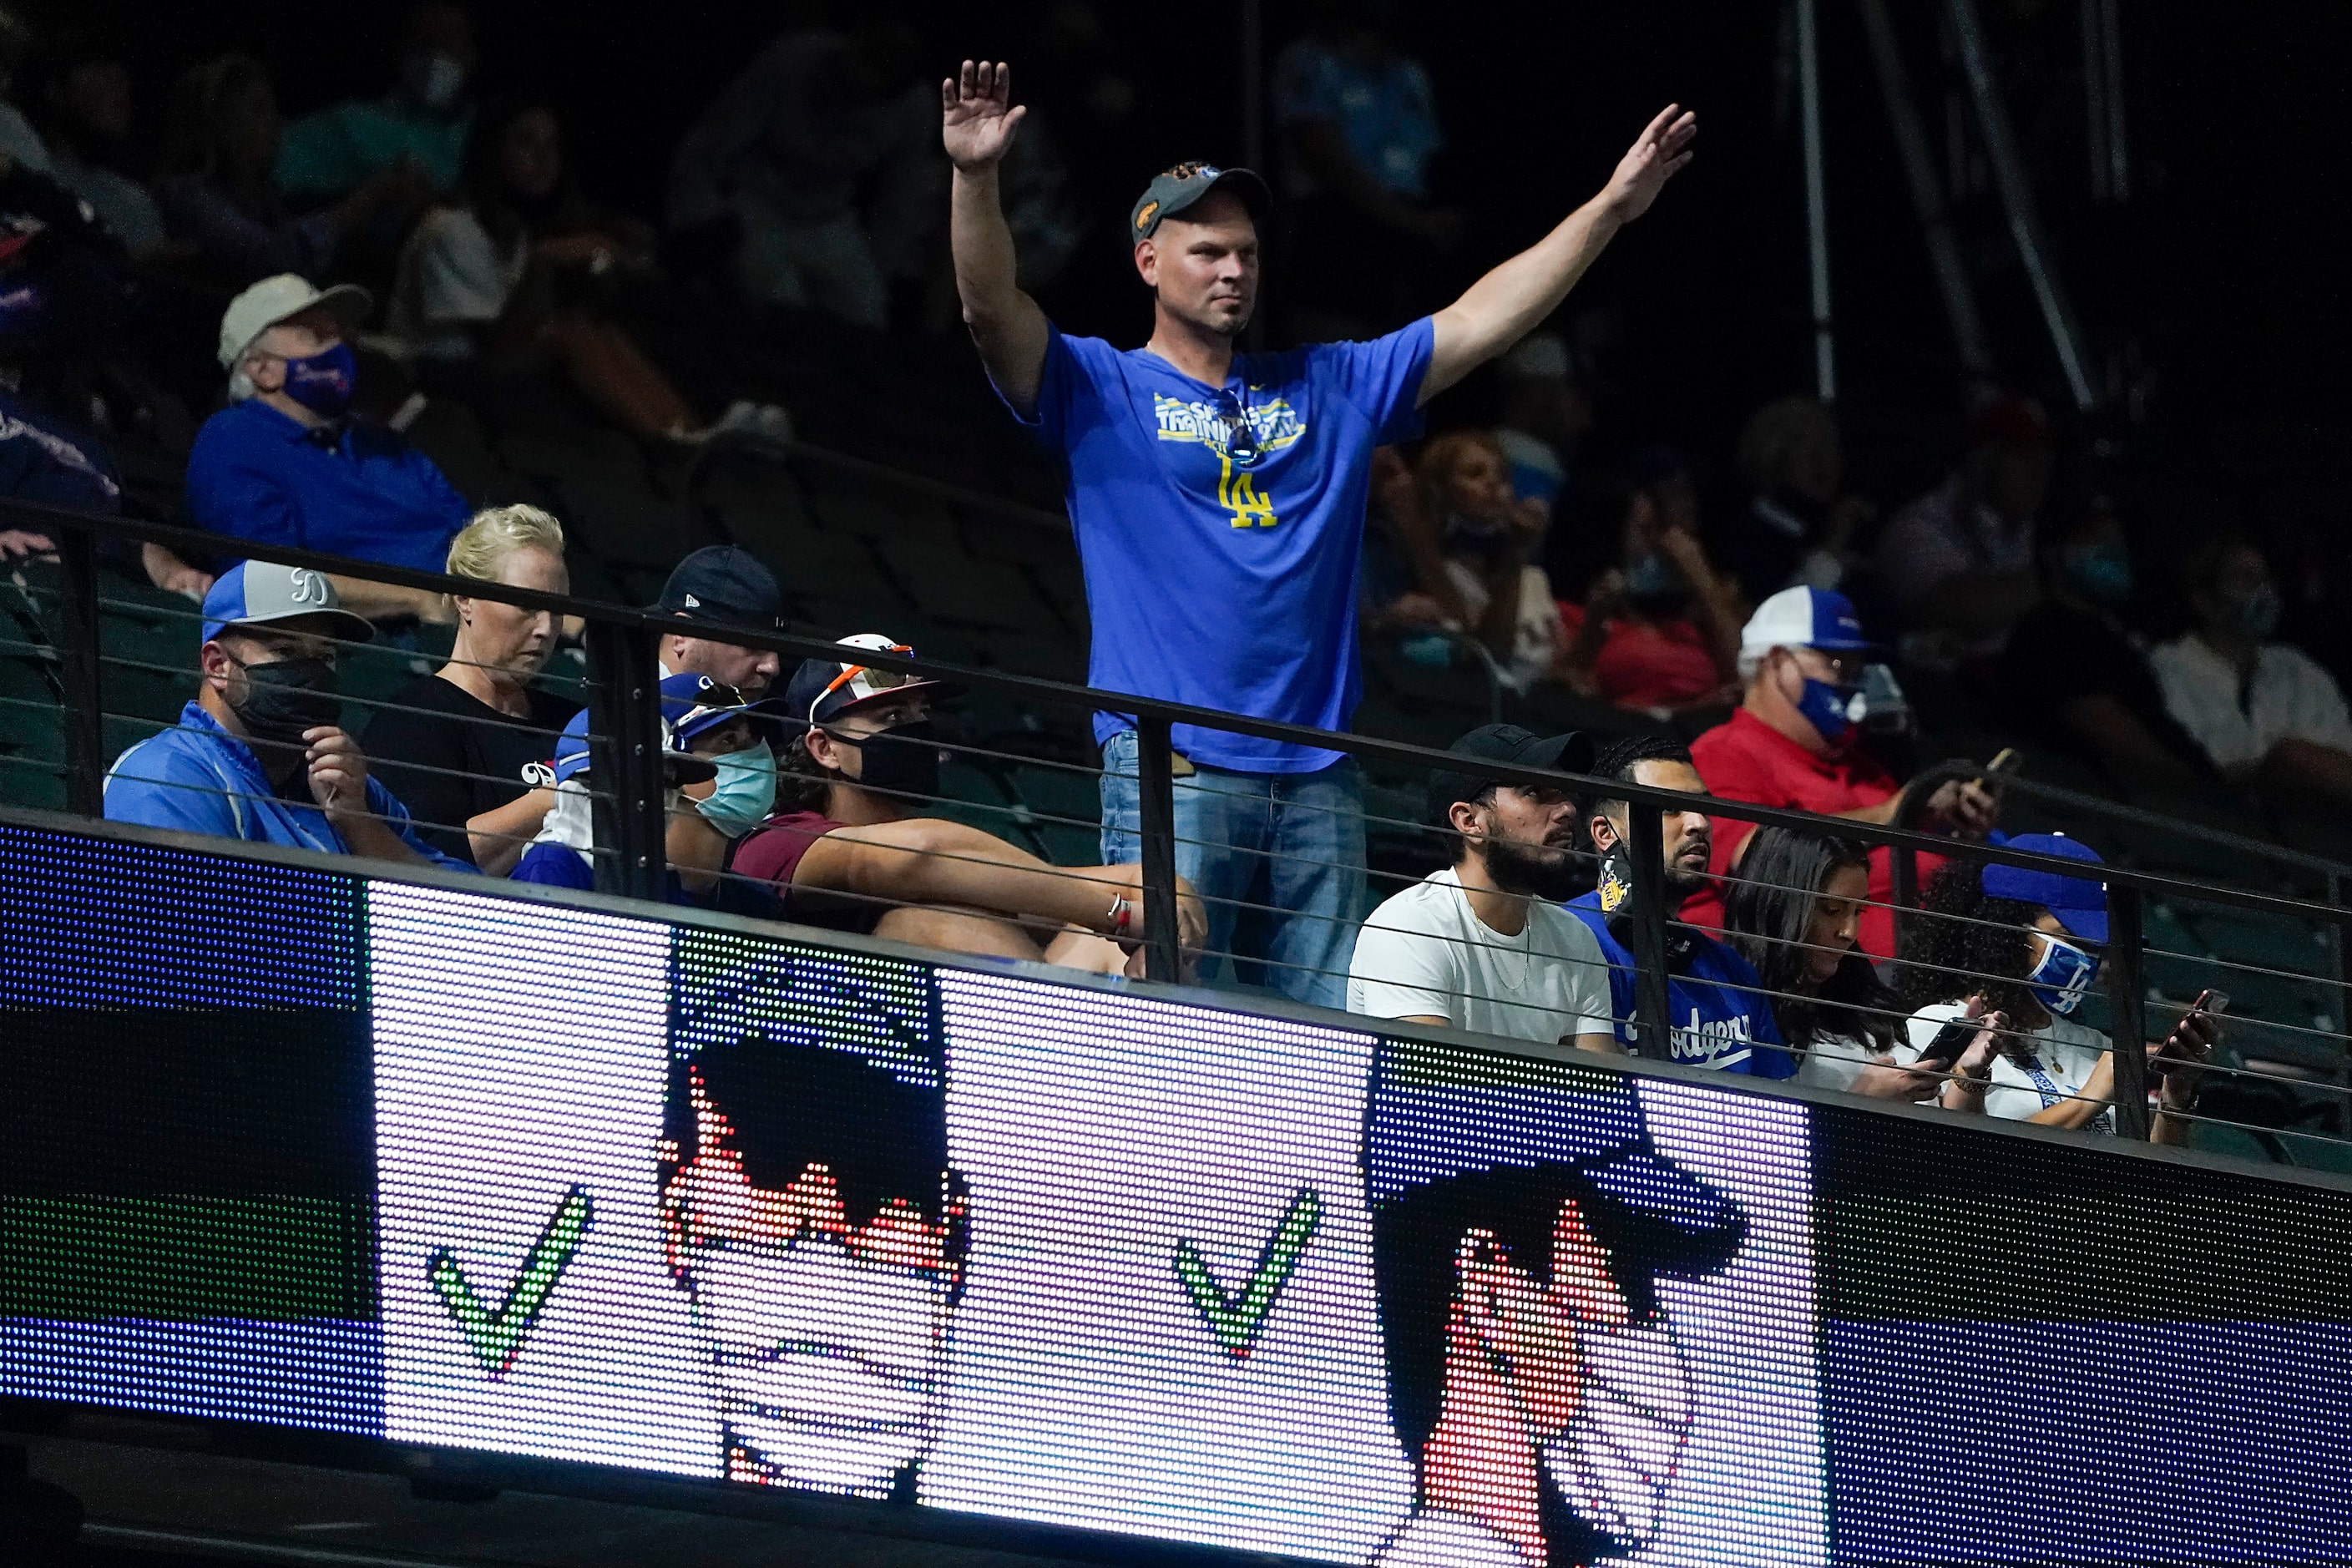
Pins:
<point x="726" y="585"/>
<point x="1171" y="193"/>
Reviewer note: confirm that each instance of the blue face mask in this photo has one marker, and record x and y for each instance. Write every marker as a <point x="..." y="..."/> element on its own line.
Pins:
<point x="2101" y="573"/>
<point x="322" y="381"/>
<point x="1834" y="710"/>
<point x="744" y="792"/>
<point x="2061" y="976"/>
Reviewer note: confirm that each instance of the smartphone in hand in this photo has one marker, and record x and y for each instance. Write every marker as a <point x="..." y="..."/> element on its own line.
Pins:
<point x="2212" y="1004"/>
<point x="1950" y="1044"/>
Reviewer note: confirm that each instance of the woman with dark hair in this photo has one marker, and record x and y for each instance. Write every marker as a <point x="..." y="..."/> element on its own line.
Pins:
<point x="221" y="131"/>
<point x="520" y="272"/>
<point x="2020" y="949"/>
<point x="1793" y="912"/>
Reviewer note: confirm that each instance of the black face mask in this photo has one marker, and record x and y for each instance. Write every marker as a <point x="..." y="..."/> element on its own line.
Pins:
<point x="283" y="700"/>
<point x="901" y="763"/>
<point x="1616" y="890"/>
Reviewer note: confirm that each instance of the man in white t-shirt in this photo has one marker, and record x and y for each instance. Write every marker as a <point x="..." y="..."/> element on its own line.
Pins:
<point x="2266" y="714"/>
<point x="1484" y="945"/>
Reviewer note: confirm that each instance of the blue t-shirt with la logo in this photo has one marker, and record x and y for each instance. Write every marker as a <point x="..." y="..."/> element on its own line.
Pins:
<point x="1221" y="528"/>
<point x="1717" y="1014"/>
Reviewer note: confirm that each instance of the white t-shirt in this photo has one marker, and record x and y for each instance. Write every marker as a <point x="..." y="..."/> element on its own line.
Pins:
<point x="1424" y="954"/>
<point x="2064" y="1053"/>
<point x="2290" y="695"/>
<point x="451" y="276"/>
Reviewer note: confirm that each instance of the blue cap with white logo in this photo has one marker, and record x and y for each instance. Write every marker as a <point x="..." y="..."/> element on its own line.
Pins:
<point x="1421" y="1133"/>
<point x="2079" y="903"/>
<point x="684" y="715"/>
<point x="1804" y="617"/>
<point x="262" y="593"/>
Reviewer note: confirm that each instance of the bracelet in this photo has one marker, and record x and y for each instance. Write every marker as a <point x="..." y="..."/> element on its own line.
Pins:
<point x="1122" y="915"/>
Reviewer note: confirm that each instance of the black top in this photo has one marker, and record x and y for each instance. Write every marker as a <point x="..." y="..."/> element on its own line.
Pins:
<point x="433" y="733"/>
<point x="2056" y="653"/>
<point x="1766" y="542"/>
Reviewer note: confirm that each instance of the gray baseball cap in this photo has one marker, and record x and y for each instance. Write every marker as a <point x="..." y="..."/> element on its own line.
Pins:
<point x="1171" y="193"/>
<point x="258" y="593"/>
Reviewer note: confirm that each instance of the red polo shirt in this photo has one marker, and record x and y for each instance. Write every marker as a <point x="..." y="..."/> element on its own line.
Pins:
<point x="1746" y="759"/>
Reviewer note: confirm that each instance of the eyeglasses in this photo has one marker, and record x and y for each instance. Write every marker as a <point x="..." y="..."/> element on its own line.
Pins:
<point x="875" y="679"/>
<point x="1241" y="435"/>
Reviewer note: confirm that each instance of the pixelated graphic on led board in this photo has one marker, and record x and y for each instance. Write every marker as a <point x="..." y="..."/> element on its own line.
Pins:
<point x="1256" y="1291"/>
<point x="520" y="1053"/>
<point x="185" y="1175"/>
<point x="2054" y="1354"/>
<point x="808" y="1213"/>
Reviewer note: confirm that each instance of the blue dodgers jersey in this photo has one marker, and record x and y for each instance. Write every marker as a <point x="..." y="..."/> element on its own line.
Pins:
<point x="1222" y="581"/>
<point x="1720" y="1017"/>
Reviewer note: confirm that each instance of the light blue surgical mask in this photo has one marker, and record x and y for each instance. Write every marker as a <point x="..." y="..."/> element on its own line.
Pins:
<point x="744" y="792"/>
<point x="2061" y="975"/>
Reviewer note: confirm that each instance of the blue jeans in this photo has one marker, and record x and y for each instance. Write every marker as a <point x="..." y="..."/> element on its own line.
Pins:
<point x="1292" y="844"/>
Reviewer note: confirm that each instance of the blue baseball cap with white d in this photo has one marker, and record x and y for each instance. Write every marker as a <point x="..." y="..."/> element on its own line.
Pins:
<point x="1804" y="617"/>
<point x="262" y="593"/>
<point x="2079" y="903"/>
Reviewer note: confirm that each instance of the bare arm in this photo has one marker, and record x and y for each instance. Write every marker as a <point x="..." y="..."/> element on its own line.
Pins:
<point x="499" y="836"/>
<point x="1501" y="307"/>
<point x="2307" y="765"/>
<point x="931" y="861"/>
<point x="977" y="124"/>
<point x="383" y="601"/>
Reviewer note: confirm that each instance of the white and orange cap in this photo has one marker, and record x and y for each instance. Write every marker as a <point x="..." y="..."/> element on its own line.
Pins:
<point x="823" y="689"/>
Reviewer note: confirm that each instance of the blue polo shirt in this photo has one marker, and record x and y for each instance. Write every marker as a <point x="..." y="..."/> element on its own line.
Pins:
<point x="199" y="778"/>
<point x="1223" y="579"/>
<point x="1719" y="1015"/>
<point x="361" y="490"/>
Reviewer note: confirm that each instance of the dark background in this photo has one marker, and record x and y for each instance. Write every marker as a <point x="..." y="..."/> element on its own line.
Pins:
<point x="2210" y="301"/>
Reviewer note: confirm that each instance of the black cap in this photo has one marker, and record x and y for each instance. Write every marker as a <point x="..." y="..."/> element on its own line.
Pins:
<point x="726" y="585"/>
<point x="1569" y="753"/>
<point x="1171" y="193"/>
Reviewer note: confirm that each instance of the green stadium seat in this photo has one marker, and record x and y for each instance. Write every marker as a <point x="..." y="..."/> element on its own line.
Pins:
<point x="1061" y="808"/>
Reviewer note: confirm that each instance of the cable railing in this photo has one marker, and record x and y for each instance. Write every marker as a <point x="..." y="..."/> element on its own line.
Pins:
<point x="2284" y="1077"/>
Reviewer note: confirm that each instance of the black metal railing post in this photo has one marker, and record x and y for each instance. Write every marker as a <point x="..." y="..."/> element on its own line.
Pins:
<point x="1646" y="844"/>
<point x="79" y="665"/>
<point x="625" y="742"/>
<point x="1156" y="798"/>
<point x="2126" y="986"/>
<point x="2339" y="951"/>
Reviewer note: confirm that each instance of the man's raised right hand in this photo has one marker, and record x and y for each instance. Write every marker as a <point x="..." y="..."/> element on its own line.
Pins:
<point x="977" y="118"/>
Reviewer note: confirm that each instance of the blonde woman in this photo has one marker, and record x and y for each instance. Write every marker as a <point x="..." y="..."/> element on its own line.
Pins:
<point x="467" y="746"/>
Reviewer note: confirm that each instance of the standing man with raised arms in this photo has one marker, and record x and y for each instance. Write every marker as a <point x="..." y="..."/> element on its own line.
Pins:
<point x="1218" y="499"/>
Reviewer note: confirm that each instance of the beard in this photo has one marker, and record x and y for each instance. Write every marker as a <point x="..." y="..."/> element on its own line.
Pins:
<point x="1683" y="880"/>
<point x="1546" y="871"/>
